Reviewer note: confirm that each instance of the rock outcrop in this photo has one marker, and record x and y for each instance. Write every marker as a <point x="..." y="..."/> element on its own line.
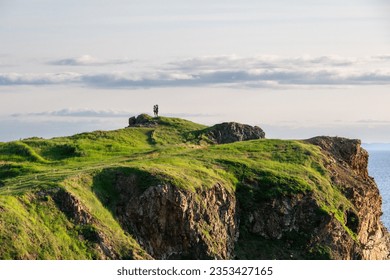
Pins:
<point x="72" y="207"/>
<point x="347" y="152"/>
<point x="143" y="120"/>
<point x="173" y="223"/>
<point x="347" y="164"/>
<point x="79" y="214"/>
<point x="229" y="132"/>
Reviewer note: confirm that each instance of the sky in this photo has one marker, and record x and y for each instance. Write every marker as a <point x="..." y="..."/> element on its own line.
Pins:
<point x="297" y="69"/>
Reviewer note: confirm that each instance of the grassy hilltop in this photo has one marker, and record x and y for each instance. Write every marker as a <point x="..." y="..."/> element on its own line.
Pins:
<point x="174" y="151"/>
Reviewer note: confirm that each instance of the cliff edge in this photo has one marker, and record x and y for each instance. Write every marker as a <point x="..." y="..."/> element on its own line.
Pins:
<point x="347" y="164"/>
<point x="167" y="188"/>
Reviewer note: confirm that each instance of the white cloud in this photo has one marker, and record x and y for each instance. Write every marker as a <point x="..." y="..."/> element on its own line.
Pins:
<point x="80" y="113"/>
<point x="94" y="113"/>
<point x="87" y="60"/>
<point x="226" y="71"/>
<point x="38" y="78"/>
<point x="373" y="122"/>
<point x="384" y="57"/>
<point x="265" y="61"/>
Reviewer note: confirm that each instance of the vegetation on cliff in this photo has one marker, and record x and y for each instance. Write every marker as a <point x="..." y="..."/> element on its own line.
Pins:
<point x="59" y="198"/>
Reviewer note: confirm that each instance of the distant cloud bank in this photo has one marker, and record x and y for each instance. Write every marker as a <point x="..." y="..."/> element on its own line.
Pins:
<point x="93" y="113"/>
<point x="69" y="112"/>
<point x="87" y="60"/>
<point x="222" y="71"/>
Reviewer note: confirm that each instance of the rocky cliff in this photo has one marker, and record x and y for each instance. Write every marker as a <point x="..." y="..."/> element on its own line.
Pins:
<point x="166" y="189"/>
<point x="173" y="223"/>
<point x="347" y="163"/>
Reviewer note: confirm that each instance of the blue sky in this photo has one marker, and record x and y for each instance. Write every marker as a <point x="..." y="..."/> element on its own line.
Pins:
<point x="296" y="68"/>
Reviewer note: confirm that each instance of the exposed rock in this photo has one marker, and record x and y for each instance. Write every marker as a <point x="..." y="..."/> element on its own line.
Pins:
<point x="72" y="207"/>
<point x="173" y="223"/>
<point x="346" y="151"/>
<point x="105" y="247"/>
<point x="289" y="227"/>
<point x="295" y="227"/>
<point x="348" y="165"/>
<point x="76" y="211"/>
<point x="277" y="216"/>
<point x="143" y="120"/>
<point x="229" y="132"/>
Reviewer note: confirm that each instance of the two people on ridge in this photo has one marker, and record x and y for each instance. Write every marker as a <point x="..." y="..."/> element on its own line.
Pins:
<point x="155" y="110"/>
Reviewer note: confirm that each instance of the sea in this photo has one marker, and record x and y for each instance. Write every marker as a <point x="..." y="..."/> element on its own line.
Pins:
<point x="379" y="168"/>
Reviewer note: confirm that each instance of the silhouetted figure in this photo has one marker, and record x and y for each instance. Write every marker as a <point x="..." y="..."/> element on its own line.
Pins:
<point x="155" y="110"/>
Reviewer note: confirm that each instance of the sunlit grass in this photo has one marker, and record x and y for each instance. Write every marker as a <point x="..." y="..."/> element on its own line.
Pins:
<point x="172" y="152"/>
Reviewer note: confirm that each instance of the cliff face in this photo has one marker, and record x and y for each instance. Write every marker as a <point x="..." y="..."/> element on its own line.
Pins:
<point x="164" y="188"/>
<point x="80" y="215"/>
<point x="173" y="223"/>
<point x="347" y="164"/>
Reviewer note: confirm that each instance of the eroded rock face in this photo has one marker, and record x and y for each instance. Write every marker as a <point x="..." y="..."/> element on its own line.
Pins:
<point x="172" y="223"/>
<point x="348" y="152"/>
<point x="79" y="214"/>
<point x="230" y="132"/>
<point x="175" y="223"/>
<point x="274" y="218"/>
<point x="72" y="207"/>
<point x="347" y="164"/>
<point x="295" y="227"/>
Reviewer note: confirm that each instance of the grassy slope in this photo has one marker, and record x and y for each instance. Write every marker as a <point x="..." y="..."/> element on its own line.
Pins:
<point x="170" y="152"/>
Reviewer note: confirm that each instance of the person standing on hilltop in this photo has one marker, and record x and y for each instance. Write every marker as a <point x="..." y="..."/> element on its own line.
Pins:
<point x="155" y="110"/>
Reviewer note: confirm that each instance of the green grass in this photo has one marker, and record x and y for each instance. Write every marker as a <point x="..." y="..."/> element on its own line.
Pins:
<point x="82" y="186"/>
<point x="34" y="229"/>
<point x="174" y="152"/>
<point x="19" y="151"/>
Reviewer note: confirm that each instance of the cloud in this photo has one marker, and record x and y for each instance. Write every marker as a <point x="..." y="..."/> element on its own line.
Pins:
<point x="81" y="113"/>
<point x="93" y="113"/>
<point x="256" y="77"/>
<point x="7" y="79"/>
<point x="266" y="61"/>
<point x="384" y="57"/>
<point x="87" y="60"/>
<point x="374" y="122"/>
<point x="227" y="71"/>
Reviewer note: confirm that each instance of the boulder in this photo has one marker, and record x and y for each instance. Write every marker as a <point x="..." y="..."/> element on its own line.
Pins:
<point x="229" y="132"/>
